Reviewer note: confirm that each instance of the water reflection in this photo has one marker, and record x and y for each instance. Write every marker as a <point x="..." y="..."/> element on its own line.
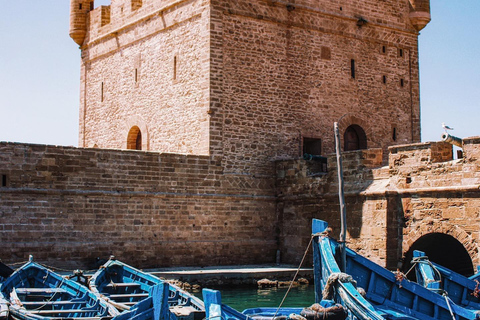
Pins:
<point x="242" y="298"/>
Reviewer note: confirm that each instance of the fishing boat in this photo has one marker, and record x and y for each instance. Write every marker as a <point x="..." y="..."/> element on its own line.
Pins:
<point x="35" y="292"/>
<point x="125" y="287"/>
<point x="369" y="291"/>
<point x="461" y="290"/>
<point x="216" y="310"/>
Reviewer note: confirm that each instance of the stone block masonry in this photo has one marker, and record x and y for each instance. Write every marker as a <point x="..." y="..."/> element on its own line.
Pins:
<point x="423" y="192"/>
<point x="70" y="206"/>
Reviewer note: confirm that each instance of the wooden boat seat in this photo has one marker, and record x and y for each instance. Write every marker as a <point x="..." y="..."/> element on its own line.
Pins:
<point x="128" y="295"/>
<point x="44" y="312"/>
<point x="36" y="304"/>
<point x="39" y="290"/>
<point x="123" y="285"/>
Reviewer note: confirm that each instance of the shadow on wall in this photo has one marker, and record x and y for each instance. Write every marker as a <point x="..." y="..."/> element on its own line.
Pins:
<point x="305" y="192"/>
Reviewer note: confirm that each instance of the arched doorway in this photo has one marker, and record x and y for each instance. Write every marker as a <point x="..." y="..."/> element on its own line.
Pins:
<point x="134" y="139"/>
<point x="354" y="138"/>
<point x="444" y="250"/>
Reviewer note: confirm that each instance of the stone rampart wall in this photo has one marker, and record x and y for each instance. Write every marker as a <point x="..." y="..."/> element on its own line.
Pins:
<point x="69" y="206"/>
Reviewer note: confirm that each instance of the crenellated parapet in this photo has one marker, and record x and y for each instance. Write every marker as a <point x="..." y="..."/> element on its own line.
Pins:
<point x="420" y="13"/>
<point x="88" y="23"/>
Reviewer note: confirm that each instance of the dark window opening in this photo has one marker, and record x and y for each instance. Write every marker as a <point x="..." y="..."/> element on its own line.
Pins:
<point x="354" y="138"/>
<point x="341" y="8"/>
<point x="101" y="93"/>
<point x="134" y="139"/>
<point x="459" y="154"/>
<point x="312" y="146"/>
<point x="394" y="134"/>
<point x="384" y="49"/>
<point x="400" y="52"/>
<point x="4" y="180"/>
<point x="408" y="180"/>
<point x="352" y="68"/>
<point x="80" y="6"/>
<point x="402" y="82"/>
<point x="312" y="150"/>
<point x="384" y="79"/>
<point x="136" y="75"/>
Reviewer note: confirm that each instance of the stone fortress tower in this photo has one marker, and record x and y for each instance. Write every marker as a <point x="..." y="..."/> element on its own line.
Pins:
<point x="249" y="81"/>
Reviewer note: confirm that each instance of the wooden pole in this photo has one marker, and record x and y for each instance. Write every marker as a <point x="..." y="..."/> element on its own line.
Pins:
<point x="341" y="196"/>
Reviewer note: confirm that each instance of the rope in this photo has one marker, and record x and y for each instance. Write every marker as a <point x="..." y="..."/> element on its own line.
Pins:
<point x="448" y="304"/>
<point x="295" y="276"/>
<point x="53" y="295"/>
<point x="327" y="293"/>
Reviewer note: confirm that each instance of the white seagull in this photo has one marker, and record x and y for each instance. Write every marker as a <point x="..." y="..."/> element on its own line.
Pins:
<point x="445" y="127"/>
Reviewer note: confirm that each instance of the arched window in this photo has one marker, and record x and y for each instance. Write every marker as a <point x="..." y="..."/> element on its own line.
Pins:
<point x="134" y="139"/>
<point x="354" y="138"/>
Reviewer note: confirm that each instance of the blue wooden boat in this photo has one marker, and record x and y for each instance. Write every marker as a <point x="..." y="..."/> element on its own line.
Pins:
<point x="128" y="288"/>
<point x="35" y="292"/>
<point x="460" y="289"/>
<point x="215" y="309"/>
<point x="476" y="276"/>
<point x="384" y="294"/>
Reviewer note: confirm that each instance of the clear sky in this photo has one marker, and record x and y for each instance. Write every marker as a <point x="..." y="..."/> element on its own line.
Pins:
<point x="40" y="71"/>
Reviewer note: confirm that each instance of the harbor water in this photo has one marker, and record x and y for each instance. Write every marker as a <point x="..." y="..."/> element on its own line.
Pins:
<point x="243" y="297"/>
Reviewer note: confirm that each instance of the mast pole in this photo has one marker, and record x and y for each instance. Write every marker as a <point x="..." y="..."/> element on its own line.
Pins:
<point x="341" y="196"/>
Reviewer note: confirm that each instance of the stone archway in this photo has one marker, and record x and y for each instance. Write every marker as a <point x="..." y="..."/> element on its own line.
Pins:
<point x="359" y="126"/>
<point x="134" y="139"/>
<point x="444" y="243"/>
<point x="137" y="135"/>
<point x="354" y="138"/>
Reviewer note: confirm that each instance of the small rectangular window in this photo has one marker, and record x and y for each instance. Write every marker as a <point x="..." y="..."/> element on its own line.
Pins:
<point x="402" y="82"/>
<point x="312" y="146"/>
<point x="400" y="52"/>
<point x="4" y="180"/>
<point x="384" y="49"/>
<point x="352" y="68"/>
<point x="384" y="79"/>
<point x="80" y="6"/>
<point x="136" y="75"/>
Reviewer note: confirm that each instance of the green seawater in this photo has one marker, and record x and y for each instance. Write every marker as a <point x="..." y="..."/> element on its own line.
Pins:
<point x="241" y="298"/>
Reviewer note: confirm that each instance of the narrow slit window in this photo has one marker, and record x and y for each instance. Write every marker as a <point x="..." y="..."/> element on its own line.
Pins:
<point x="352" y="68"/>
<point x="402" y="82"/>
<point x="79" y="6"/>
<point x="400" y="52"/>
<point x="175" y="68"/>
<point x="384" y="49"/>
<point x="384" y="79"/>
<point x="101" y="93"/>
<point x="136" y="75"/>
<point x="4" y="180"/>
<point x="394" y="134"/>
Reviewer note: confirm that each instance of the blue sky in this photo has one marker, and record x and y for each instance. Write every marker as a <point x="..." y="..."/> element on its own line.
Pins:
<point x="40" y="71"/>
